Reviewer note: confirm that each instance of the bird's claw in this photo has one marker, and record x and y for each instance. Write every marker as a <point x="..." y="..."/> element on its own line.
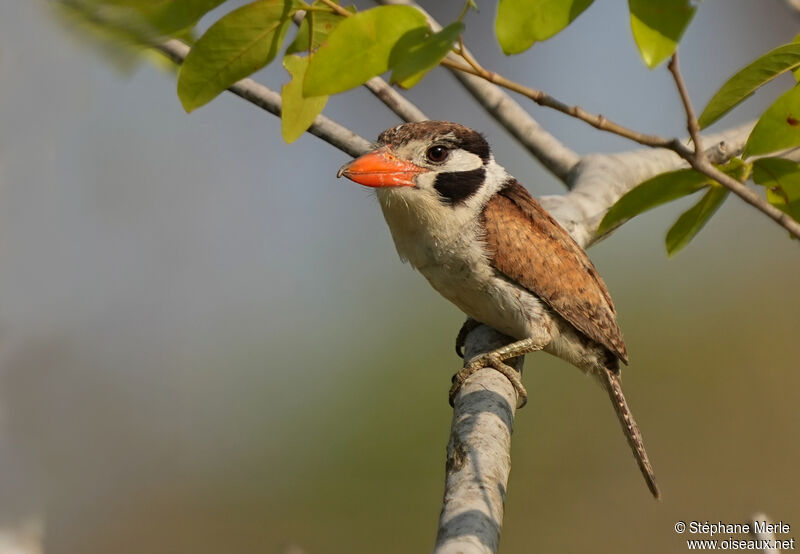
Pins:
<point x="468" y="326"/>
<point x="495" y="362"/>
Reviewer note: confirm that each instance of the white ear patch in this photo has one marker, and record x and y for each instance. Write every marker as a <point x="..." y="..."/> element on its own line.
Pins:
<point x="461" y="160"/>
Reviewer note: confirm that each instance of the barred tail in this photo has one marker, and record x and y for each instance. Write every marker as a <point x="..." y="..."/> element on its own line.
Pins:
<point x="632" y="433"/>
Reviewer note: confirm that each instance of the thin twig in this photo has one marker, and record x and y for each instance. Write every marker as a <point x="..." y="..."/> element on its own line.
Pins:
<point x="328" y="130"/>
<point x="336" y="8"/>
<point x="739" y="189"/>
<point x="544" y="99"/>
<point x="691" y="119"/>
<point x="464" y="53"/>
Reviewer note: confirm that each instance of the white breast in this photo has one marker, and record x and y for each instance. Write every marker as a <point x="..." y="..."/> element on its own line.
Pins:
<point x="446" y="245"/>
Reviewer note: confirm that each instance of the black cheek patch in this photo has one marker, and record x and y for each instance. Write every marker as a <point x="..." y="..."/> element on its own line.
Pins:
<point x="457" y="186"/>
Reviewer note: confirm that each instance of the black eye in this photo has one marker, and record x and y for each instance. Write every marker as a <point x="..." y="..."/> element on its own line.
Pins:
<point x="437" y="154"/>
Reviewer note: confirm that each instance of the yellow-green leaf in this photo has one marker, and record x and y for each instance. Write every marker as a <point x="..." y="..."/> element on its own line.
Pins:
<point x="359" y="48"/>
<point x="298" y="112"/>
<point x="693" y="219"/>
<point x="237" y="45"/>
<point x="520" y="23"/>
<point x="653" y="192"/>
<point x="745" y="82"/>
<point x="657" y="27"/>
<point x="314" y="29"/>
<point x="778" y="127"/>
<point x="412" y="58"/>
<point x="781" y="178"/>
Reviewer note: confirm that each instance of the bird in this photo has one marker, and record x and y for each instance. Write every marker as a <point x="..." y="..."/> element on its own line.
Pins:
<point x="486" y="245"/>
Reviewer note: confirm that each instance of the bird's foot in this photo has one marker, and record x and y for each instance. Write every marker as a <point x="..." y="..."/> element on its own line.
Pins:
<point x="495" y="361"/>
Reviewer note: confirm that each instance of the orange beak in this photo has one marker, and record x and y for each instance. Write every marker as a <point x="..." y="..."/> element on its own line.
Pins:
<point x="381" y="168"/>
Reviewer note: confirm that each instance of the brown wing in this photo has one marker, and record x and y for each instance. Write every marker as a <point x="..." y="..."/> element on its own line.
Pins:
<point x="528" y="246"/>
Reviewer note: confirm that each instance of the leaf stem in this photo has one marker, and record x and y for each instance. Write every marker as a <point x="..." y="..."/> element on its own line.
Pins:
<point x="464" y="53"/>
<point x="465" y="10"/>
<point x="336" y="8"/>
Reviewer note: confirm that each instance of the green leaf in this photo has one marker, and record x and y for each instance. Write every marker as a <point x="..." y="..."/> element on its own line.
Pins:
<point x="412" y="58"/>
<point x="778" y="127"/>
<point x="297" y="113"/>
<point x="693" y="219"/>
<point x="237" y="45"/>
<point x="745" y="82"/>
<point x="657" y="27"/>
<point x="736" y="168"/>
<point x="174" y="16"/>
<point x="653" y="192"/>
<point x="149" y="19"/>
<point x="319" y="25"/>
<point x="520" y="23"/>
<point x="359" y="48"/>
<point x="781" y="178"/>
<point x="302" y="40"/>
<point x="116" y="42"/>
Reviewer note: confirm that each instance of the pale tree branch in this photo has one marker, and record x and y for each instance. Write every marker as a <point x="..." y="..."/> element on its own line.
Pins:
<point x="793" y="5"/>
<point x="399" y="104"/>
<point x="328" y="130"/>
<point x="554" y="155"/>
<point x="601" y="180"/>
<point x="478" y="454"/>
<point x="25" y="536"/>
<point x="766" y="538"/>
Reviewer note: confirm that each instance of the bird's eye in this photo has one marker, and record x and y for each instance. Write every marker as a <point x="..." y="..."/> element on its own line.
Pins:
<point x="437" y="154"/>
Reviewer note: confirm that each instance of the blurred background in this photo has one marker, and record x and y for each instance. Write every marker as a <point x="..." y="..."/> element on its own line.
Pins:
<point x="208" y="343"/>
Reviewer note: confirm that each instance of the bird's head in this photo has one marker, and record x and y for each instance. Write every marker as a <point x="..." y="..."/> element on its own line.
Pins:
<point x="430" y="161"/>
